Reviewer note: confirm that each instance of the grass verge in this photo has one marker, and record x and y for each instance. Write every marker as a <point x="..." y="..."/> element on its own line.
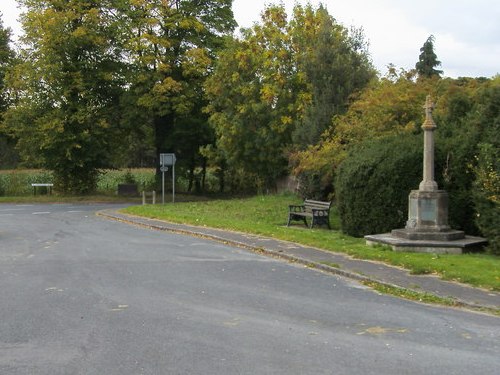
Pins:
<point x="266" y="216"/>
<point x="425" y="297"/>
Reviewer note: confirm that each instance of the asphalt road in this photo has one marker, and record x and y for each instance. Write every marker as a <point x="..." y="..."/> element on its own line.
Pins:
<point x="83" y="295"/>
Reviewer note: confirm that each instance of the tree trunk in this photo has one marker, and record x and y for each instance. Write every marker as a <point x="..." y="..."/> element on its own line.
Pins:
<point x="163" y="127"/>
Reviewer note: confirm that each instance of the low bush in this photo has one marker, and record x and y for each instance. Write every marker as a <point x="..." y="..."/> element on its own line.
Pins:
<point x="487" y="195"/>
<point x="108" y="180"/>
<point x="373" y="184"/>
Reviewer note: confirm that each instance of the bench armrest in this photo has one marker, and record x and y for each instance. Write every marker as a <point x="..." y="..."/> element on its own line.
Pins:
<point x="296" y="208"/>
<point x="320" y="212"/>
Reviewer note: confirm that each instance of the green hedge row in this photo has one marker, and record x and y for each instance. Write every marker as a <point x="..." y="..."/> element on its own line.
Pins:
<point x="373" y="184"/>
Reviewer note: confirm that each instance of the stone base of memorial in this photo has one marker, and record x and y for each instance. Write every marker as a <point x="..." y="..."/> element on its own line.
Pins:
<point x="427" y="229"/>
<point x="428" y="218"/>
<point x="465" y="245"/>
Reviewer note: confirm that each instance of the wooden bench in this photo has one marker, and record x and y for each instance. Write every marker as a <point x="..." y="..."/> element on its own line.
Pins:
<point x="318" y="211"/>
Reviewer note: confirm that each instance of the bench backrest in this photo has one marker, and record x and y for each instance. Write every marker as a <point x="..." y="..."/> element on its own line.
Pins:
<point x="310" y="204"/>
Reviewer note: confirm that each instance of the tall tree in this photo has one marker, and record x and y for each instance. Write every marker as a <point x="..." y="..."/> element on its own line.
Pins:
<point x="336" y="63"/>
<point x="8" y="156"/>
<point x="255" y="95"/>
<point x="171" y="48"/>
<point x="6" y="59"/>
<point x="427" y="61"/>
<point x="278" y="79"/>
<point x="68" y="88"/>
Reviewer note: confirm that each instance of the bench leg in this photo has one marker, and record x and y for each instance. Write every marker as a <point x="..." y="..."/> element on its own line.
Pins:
<point x="319" y="221"/>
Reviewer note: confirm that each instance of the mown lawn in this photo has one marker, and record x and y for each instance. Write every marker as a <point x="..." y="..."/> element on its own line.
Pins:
<point x="266" y="215"/>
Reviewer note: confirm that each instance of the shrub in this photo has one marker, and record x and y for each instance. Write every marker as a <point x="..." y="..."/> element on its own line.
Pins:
<point x="109" y="179"/>
<point x="487" y="195"/>
<point x="311" y="186"/>
<point x="454" y="173"/>
<point x="373" y="183"/>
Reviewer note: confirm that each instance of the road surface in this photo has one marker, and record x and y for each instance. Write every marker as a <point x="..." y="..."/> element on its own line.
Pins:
<point x="83" y="295"/>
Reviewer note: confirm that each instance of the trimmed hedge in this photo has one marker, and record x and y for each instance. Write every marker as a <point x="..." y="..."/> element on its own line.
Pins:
<point x="373" y="183"/>
<point x="487" y="195"/>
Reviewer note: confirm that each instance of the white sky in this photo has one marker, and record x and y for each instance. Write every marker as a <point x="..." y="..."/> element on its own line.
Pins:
<point x="467" y="32"/>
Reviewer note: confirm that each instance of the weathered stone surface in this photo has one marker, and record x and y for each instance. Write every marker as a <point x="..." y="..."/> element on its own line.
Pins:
<point x="408" y="234"/>
<point x="428" y="211"/>
<point x="464" y="245"/>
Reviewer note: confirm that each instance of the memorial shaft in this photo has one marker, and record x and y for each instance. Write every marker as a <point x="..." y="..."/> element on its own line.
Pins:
<point x="428" y="183"/>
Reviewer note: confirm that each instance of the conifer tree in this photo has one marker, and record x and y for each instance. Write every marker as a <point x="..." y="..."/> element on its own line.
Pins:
<point x="427" y="61"/>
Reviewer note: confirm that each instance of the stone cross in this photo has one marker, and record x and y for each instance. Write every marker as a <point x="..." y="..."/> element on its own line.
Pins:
<point x="428" y="183"/>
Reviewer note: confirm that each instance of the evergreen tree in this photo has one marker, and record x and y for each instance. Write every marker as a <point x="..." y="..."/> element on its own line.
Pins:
<point x="337" y="64"/>
<point x="427" y="61"/>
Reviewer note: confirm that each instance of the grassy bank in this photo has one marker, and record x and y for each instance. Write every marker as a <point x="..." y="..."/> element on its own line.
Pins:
<point x="266" y="215"/>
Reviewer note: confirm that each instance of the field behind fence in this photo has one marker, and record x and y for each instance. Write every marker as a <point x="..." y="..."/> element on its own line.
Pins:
<point x="17" y="183"/>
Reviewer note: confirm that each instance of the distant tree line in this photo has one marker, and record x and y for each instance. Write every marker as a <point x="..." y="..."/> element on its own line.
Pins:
<point x="99" y="84"/>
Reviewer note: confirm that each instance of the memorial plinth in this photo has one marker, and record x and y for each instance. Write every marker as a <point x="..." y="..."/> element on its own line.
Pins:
<point x="428" y="218"/>
<point x="427" y="228"/>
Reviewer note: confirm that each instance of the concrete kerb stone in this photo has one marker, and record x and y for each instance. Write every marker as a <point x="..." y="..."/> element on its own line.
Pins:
<point x="203" y="233"/>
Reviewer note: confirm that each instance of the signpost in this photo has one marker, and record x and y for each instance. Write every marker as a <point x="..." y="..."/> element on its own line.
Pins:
<point x="167" y="160"/>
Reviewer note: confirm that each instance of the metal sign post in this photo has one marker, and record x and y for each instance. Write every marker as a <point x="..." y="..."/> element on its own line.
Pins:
<point x="167" y="160"/>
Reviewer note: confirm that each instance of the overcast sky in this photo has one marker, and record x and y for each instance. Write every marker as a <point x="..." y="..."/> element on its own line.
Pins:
<point x="467" y="32"/>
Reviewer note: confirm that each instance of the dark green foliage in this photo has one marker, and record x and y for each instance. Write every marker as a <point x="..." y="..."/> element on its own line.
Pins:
<point x="486" y="189"/>
<point x="312" y="187"/>
<point x="467" y="138"/>
<point x="373" y="184"/>
<point x="8" y="155"/>
<point x="488" y="221"/>
<point x="336" y="66"/>
<point x="6" y="58"/>
<point x="68" y="86"/>
<point x="171" y="46"/>
<point x="454" y="155"/>
<point x="427" y="61"/>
